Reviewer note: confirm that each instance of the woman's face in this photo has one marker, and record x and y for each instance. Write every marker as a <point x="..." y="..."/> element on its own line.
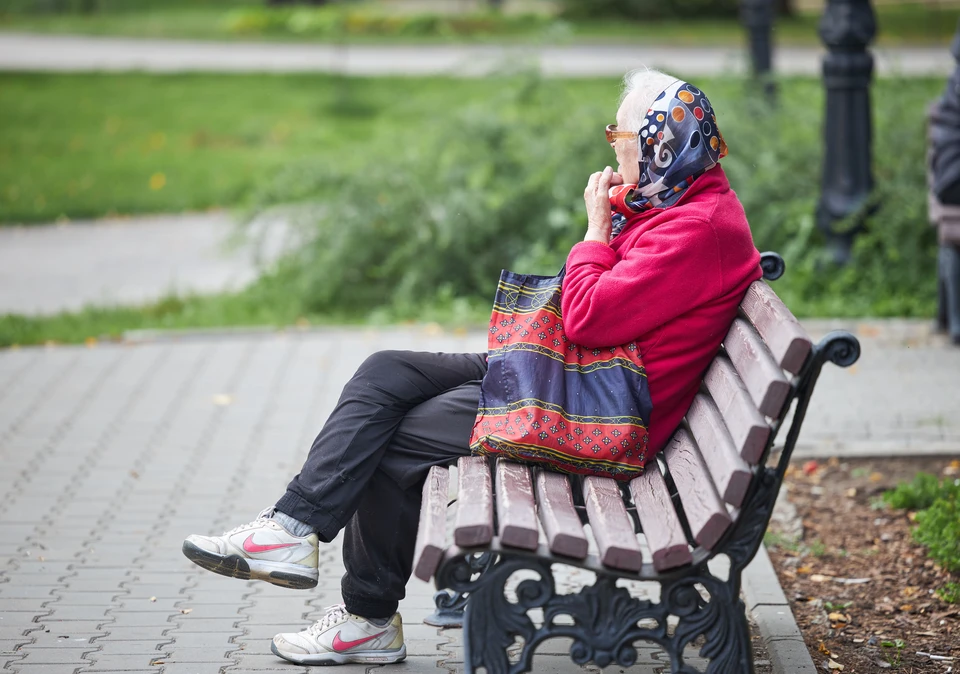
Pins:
<point x="627" y="152"/>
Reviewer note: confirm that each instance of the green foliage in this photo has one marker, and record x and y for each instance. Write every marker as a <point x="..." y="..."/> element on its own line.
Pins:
<point x="649" y="10"/>
<point x="950" y="592"/>
<point x="493" y="185"/>
<point x="938" y="528"/>
<point x="938" y="516"/>
<point x="892" y="651"/>
<point x="336" y="22"/>
<point x="775" y="164"/>
<point x="919" y="494"/>
<point x="498" y="185"/>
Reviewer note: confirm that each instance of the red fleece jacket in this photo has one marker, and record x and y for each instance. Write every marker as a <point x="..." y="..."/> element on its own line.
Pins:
<point x="671" y="282"/>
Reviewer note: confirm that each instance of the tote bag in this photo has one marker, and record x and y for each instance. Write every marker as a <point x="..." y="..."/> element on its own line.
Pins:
<point x="548" y="401"/>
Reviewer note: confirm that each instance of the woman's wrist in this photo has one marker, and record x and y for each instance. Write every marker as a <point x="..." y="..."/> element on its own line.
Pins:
<point x="599" y="235"/>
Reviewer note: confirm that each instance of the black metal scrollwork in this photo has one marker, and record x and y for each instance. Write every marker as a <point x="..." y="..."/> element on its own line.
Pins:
<point x="840" y="348"/>
<point x="772" y="265"/>
<point x="451" y="605"/>
<point x="606" y="619"/>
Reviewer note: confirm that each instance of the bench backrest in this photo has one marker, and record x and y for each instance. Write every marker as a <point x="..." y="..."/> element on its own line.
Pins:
<point x="686" y="500"/>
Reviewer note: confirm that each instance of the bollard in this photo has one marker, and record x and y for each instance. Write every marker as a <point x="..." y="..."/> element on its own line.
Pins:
<point x="757" y="16"/>
<point x="847" y="27"/>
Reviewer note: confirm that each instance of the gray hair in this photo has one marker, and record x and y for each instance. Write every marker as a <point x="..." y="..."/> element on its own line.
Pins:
<point x="644" y="84"/>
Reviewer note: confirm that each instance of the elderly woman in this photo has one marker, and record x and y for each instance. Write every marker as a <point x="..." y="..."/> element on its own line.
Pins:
<point x="667" y="257"/>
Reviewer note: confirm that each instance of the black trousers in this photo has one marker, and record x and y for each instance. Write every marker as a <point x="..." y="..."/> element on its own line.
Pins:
<point x="400" y="414"/>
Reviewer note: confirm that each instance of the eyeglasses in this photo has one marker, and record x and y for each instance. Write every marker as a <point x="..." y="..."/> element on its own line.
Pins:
<point x="613" y="134"/>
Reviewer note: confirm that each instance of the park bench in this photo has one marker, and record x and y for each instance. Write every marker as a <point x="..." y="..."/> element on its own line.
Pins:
<point x="711" y="491"/>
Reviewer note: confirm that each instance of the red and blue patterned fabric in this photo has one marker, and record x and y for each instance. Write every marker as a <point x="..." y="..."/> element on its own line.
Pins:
<point x="547" y="400"/>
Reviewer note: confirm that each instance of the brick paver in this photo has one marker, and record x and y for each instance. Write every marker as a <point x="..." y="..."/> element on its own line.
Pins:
<point x="112" y="455"/>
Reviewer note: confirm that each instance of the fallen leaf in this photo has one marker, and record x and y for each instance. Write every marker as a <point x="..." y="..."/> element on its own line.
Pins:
<point x="810" y="467"/>
<point x="852" y="492"/>
<point x="804" y="570"/>
<point x="823" y="649"/>
<point x="837" y="617"/>
<point x="833" y="664"/>
<point x="858" y="641"/>
<point x="819" y="578"/>
<point x="906" y="608"/>
<point x="876" y="477"/>
<point x="90" y="342"/>
<point x="135" y="475"/>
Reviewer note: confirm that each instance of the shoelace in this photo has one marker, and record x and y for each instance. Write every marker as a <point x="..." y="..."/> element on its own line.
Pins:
<point x="264" y="514"/>
<point x="334" y="614"/>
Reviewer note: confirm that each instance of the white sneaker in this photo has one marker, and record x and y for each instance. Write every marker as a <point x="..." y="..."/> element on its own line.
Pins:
<point x="261" y="550"/>
<point x="339" y="638"/>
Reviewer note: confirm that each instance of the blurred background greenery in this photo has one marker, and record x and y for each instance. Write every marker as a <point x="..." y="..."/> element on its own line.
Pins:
<point x="411" y="194"/>
<point x="693" y="22"/>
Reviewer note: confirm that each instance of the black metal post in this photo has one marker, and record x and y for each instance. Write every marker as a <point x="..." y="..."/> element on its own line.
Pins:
<point x="945" y="202"/>
<point x="846" y="28"/>
<point x="757" y="16"/>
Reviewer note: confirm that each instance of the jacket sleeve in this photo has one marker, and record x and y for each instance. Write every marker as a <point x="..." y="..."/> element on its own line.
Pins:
<point x="672" y="269"/>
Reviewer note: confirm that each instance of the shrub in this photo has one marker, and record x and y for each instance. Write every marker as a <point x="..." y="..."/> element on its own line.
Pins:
<point x="435" y="221"/>
<point x="919" y="494"/>
<point x="938" y="518"/>
<point x="938" y="528"/>
<point x="499" y="185"/>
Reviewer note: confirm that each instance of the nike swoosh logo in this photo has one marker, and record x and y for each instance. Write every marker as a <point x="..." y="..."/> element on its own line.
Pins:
<point x="252" y="547"/>
<point x="340" y="646"/>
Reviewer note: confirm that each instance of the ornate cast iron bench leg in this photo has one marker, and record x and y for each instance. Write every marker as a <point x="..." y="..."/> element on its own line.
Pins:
<point x="451" y="605"/>
<point x="605" y="618"/>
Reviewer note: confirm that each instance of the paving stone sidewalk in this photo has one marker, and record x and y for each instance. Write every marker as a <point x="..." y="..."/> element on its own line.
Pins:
<point x="65" y="267"/>
<point x="71" y="53"/>
<point x="112" y="454"/>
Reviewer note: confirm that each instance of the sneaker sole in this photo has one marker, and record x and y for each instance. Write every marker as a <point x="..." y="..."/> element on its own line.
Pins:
<point x="235" y="566"/>
<point x="361" y="657"/>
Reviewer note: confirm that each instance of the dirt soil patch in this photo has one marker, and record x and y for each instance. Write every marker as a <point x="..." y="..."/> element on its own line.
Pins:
<point x="862" y="591"/>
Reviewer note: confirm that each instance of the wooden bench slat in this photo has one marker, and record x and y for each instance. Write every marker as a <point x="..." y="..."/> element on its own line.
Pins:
<point x="747" y="426"/>
<point x="785" y="337"/>
<point x="432" y="534"/>
<point x="661" y="526"/>
<point x="559" y="518"/>
<point x="759" y="372"/>
<point x="705" y="512"/>
<point x="730" y="473"/>
<point x="474" y="522"/>
<point x="516" y="515"/>
<point x="611" y="525"/>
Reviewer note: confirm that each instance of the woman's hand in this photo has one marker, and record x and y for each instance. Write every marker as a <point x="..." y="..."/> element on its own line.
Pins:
<point x="597" y="198"/>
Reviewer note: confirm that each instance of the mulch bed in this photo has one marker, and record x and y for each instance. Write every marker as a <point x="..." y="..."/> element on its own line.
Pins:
<point x="856" y="579"/>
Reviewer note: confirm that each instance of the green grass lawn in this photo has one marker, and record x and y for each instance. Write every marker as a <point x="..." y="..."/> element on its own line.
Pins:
<point x="209" y="19"/>
<point x="81" y="146"/>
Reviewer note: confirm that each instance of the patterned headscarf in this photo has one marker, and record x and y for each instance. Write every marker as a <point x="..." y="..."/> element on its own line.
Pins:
<point x="679" y="141"/>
